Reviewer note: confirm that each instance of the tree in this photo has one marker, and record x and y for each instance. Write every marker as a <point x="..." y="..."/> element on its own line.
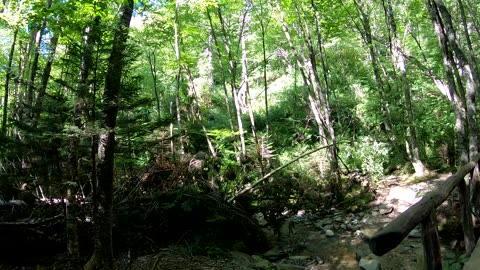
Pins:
<point x="455" y="63"/>
<point x="399" y="63"/>
<point x="103" y="254"/>
<point x="306" y="57"/>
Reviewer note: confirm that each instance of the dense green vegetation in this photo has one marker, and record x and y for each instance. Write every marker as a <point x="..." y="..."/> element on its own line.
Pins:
<point x="187" y="112"/>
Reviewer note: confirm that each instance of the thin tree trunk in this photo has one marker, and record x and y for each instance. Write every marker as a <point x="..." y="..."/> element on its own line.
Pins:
<point x="178" y="77"/>
<point x="103" y="255"/>
<point x="245" y="87"/>
<point x="324" y="94"/>
<point x="222" y="71"/>
<point x="400" y="65"/>
<point x="34" y="69"/>
<point x="197" y="113"/>
<point x="153" y="70"/>
<point x="26" y="53"/>
<point x="7" y="82"/>
<point x="42" y="89"/>
<point x="317" y="96"/>
<point x="233" y="86"/>
<point x="471" y="53"/>
<point x="264" y="67"/>
<point x="368" y="39"/>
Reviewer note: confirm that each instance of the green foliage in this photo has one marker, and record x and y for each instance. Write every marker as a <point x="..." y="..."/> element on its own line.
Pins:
<point x="367" y="154"/>
<point x="454" y="262"/>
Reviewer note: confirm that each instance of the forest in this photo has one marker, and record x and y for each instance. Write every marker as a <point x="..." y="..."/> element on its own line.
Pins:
<point x="135" y="126"/>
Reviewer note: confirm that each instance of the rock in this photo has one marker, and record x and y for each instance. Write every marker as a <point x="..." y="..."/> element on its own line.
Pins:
<point x="240" y="256"/>
<point x="318" y="266"/>
<point x="369" y="264"/>
<point x="319" y="260"/>
<point x="415" y="234"/>
<point x="315" y="236"/>
<point x="319" y="225"/>
<point x="275" y="254"/>
<point x="329" y="233"/>
<point x="299" y="258"/>
<point x="328" y="227"/>
<point x="261" y="263"/>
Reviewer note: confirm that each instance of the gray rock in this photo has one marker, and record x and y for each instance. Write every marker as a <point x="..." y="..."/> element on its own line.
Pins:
<point x="369" y="264"/>
<point x="329" y="233"/>
<point x="328" y="227"/>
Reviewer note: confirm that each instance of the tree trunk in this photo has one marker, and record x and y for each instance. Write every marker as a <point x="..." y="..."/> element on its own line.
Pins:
<point x="368" y="39"/>
<point x="445" y="28"/>
<point x="399" y="62"/>
<point x="178" y="77"/>
<point x="264" y="66"/>
<point x="42" y="89"/>
<point x="471" y="53"/>
<point x="233" y="84"/>
<point x="222" y="71"/>
<point x="245" y="86"/>
<point x="458" y="106"/>
<point x="316" y="92"/>
<point x="7" y="81"/>
<point x="103" y="255"/>
<point x="153" y="70"/>
<point x="33" y="72"/>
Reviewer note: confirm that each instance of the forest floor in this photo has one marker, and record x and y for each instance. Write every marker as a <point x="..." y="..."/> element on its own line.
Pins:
<point x="311" y="242"/>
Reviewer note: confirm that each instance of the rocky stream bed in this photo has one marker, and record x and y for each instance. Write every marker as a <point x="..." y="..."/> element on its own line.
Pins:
<point x="337" y="241"/>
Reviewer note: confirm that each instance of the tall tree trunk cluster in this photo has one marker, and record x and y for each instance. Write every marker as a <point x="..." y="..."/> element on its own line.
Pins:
<point x="463" y="86"/>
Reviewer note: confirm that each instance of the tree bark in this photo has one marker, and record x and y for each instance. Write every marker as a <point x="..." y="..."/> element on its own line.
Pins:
<point x="316" y="92"/>
<point x="178" y="77"/>
<point x="33" y="72"/>
<point x="233" y="84"/>
<point x="264" y="66"/>
<point x="103" y="218"/>
<point x="368" y="39"/>
<point x="399" y="60"/>
<point x="457" y="59"/>
<point x="246" y="90"/>
<point x="7" y="81"/>
<point x="42" y="89"/>
<point x="222" y="70"/>
<point x="153" y="70"/>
